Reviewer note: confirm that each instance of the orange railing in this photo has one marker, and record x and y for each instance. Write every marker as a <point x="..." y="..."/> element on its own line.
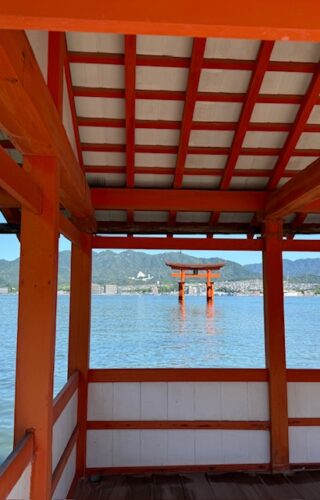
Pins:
<point x="16" y="463"/>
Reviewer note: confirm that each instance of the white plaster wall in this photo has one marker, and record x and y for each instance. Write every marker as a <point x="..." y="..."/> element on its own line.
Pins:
<point x="39" y="43"/>
<point x="130" y="448"/>
<point x="178" y="401"/>
<point x="304" y="399"/>
<point x="67" y="477"/>
<point x="21" y="491"/>
<point x="63" y="428"/>
<point x="304" y="444"/>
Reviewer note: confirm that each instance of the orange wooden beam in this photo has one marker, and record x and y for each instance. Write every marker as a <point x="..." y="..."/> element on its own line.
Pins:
<point x="16" y="181"/>
<point x="7" y="201"/>
<point x="275" y="344"/>
<point x="13" y="467"/>
<point x="79" y="336"/>
<point x="56" y="58"/>
<point x="70" y="231"/>
<point x="37" y="322"/>
<point x="147" y="243"/>
<point x="300" y="191"/>
<point x="30" y="119"/>
<point x="177" y="199"/>
<point x="231" y="19"/>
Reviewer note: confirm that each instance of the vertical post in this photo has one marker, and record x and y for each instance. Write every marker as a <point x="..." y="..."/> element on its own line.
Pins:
<point x="79" y="336"/>
<point x="181" y="287"/>
<point x="209" y="287"/>
<point x="37" y="322"/>
<point x="275" y="344"/>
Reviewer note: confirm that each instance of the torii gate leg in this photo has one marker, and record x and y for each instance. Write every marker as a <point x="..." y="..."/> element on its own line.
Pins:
<point x="210" y="288"/>
<point x="181" y="287"/>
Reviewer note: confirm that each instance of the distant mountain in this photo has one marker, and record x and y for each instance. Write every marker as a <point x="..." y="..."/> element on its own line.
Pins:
<point x="122" y="268"/>
<point x="308" y="269"/>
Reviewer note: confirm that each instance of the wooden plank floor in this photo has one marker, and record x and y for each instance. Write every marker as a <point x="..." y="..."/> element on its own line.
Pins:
<point x="202" y="486"/>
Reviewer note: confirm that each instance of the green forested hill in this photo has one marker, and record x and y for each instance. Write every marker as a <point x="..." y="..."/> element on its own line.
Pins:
<point x="119" y="267"/>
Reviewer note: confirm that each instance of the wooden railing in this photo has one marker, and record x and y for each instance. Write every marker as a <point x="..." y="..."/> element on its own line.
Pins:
<point x="13" y="467"/>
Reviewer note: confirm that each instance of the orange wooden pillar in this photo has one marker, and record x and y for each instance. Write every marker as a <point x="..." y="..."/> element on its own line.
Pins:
<point x="210" y="290"/>
<point x="79" y="336"/>
<point x="275" y="344"/>
<point x="37" y="322"/>
<point x="181" y="287"/>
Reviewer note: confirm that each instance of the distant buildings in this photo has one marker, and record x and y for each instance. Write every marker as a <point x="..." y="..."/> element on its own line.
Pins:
<point x="4" y="290"/>
<point x="108" y="289"/>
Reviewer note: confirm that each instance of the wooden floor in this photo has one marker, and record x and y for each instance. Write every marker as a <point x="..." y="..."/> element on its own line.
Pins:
<point x="201" y="486"/>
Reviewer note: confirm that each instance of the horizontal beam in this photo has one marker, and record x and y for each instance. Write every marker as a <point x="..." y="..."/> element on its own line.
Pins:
<point x="9" y="228"/>
<point x="180" y="95"/>
<point x="184" y="228"/>
<point x="84" y="121"/>
<point x="137" y="243"/>
<point x="300" y="191"/>
<point x="230" y="19"/>
<point x="16" y="181"/>
<point x="199" y="150"/>
<point x="164" y="61"/>
<point x="177" y="199"/>
<point x="31" y="121"/>
<point x="301" y="246"/>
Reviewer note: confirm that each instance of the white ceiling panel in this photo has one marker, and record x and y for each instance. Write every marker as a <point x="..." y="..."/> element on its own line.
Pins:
<point x="175" y="46"/>
<point x="264" y="139"/>
<point x="161" y="137"/>
<point x="159" y="110"/>
<point x="97" y="75"/>
<point x="309" y="141"/>
<point x="217" y="111"/>
<point x="201" y="181"/>
<point x="314" y="115"/>
<point x="95" y="42"/>
<point x="111" y="215"/>
<point x="155" y="160"/>
<point x="248" y="182"/>
<point x="212" y="138"/>
<point x="230" y="217"/>
<point x="206" y="161"/>
<point x="224" y="48"/>
<point x="193" y="216"/>
<point x="217" y="80"/>
<point x="160" y="78"/>
<point x="296" y="51"/>
<point x="279" y="82"/>
<point x="106" y="180"/>
<point x="312" y="219"/>
<point x="99" y="107"/>
<point x="274" y="113"/>
<point x="150" y="216"/>
<point x="102" y="158"/>
<point x="256" y="162"/>
<point x="103" y="135"/>
<point x="153" y="181"/>
<point x="300" y="162"/>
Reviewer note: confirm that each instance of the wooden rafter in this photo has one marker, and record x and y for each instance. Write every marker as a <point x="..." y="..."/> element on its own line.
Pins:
<point x="300" y="191"/>
<point x="130" y="85"/>
<point x="198" y="49"/>
<point x="30" y="119"/>
<point x="258" y="73"/>
<point x="72" y="103"/>
<point x="303" y="114"/>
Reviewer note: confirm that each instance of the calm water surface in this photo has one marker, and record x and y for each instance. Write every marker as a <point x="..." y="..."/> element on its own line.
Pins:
<point x="154" y="331"/>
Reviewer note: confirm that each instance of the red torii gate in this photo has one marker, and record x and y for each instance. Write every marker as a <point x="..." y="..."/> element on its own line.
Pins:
<point x="195" y="268"/>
